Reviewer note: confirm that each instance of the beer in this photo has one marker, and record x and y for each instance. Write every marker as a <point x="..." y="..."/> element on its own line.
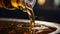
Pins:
<point x="15" y="27"/>
<point x="25" y="5"/>
<point x="23" y="28"/>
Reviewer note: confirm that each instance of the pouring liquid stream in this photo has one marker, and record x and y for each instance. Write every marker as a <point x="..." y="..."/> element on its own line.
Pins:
<point x="32" y="20"/>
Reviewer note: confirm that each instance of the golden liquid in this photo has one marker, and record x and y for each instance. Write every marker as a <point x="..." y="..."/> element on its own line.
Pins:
<point x="32" y="21"/>
<point x="18" y="4"/>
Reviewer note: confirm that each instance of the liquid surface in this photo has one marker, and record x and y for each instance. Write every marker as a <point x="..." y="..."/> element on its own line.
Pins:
<point x="10" y="27"/>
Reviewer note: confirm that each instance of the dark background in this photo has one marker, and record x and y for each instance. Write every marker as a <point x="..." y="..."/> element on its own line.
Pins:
<point x="40" y="14"/>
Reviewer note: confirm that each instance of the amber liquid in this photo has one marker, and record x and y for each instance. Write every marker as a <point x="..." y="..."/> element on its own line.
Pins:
<point x="13" y="27"/>
<point x="18" y="4"/>
<point x="32" y="20"/>
<point x="23" y="28"/>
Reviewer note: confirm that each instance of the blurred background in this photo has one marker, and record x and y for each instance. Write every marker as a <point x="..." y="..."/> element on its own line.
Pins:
<point x="45" y="10"/>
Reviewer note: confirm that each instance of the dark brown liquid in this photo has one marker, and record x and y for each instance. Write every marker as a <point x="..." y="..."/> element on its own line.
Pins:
<point x="11" y="27"/>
